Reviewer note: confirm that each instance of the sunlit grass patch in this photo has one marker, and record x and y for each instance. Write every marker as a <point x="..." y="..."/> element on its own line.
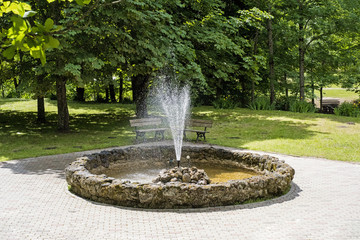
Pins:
<point x="311" y="134"/>
<point x="93" y="126"/>
<point x="341" y="93"/>
<point x="96" y="126"/>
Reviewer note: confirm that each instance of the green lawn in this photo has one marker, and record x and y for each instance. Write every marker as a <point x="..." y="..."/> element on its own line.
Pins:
<point x="93" y="126"/>
<point x="341" y="93"/>
<point x="96" y="126"/>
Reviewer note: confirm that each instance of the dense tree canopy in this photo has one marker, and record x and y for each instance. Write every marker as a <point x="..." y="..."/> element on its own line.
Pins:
<point x="226" y="50"/>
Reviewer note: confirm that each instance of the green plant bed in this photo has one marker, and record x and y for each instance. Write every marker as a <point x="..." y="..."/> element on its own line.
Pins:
<point x="96" y="126"/>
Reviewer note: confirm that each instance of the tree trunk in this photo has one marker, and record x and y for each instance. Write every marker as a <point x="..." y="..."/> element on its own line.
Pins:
<point x="63" y="112"/>
<point x="321" y="99"/>
<point x="41" y="110"/>
<point x="256" y="39"/>
<point x="140" y="90"/>
<point x="80" y="94"/>
<point x="17" y="81"/>
<point x="312" y="92"/>
<point x="271" y="59"/>
<point x="2" y="91"/>
<point x="112" y="93"/>
<point x="121" y="90"/>
<point x="286" y="93"/>
<point x="16" y="84"/>
<point x="107" y="98"/>
<point x="301" y="53"/>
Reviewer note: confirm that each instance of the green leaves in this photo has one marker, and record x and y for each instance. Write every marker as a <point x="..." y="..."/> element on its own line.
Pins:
<point x="34" y="40"/>
<point x="73" y="69"/>
<point x="18" y="8"/>
<point x="29" y="14"/>
<point x="9" y="53"/>
<point x="49" y="23"/>
<point x="83" y="2"/>
<point x="52" y="42"/>
<point x="21" y="36"/>
<point x="79" y="2"/>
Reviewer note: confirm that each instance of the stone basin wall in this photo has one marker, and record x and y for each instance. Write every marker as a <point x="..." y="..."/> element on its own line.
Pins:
<point x="85" y="178"/>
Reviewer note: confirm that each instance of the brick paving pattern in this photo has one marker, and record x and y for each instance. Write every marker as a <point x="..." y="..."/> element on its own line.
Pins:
<point x="324" y="203"/>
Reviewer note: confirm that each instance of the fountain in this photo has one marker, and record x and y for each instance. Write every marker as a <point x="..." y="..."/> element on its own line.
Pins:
<point x="127" y="176"/>
<point x="88" y="177"/>
<point x="175" y="102"/>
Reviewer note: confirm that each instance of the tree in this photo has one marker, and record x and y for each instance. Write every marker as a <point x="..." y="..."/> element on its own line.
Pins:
<point x="33" y="37"/>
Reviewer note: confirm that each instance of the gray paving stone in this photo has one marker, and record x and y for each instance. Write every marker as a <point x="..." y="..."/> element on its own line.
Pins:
<point x="324" y="203"/>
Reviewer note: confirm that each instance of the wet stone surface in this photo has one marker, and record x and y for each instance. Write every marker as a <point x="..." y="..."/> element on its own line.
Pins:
<point x="183" y="174"/>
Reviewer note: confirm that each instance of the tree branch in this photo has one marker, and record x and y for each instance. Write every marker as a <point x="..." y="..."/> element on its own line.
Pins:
<point x="92" y="8"/>
<point x="111" y="3"/>
<point x="315" y="38"/>
<point x="71" y="25"/>
<point x="307" y="22"/>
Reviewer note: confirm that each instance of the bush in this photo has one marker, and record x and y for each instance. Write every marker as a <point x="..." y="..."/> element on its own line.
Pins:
<point x="302" y="107"/>
<point x="225" y="103"/>
<point x="348" y="109"/>
<point x="261" y="103"/>
<point x="283" y="102"/>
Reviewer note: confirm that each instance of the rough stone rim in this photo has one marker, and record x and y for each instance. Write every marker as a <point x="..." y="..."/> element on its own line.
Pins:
<point x="88" y="185"/>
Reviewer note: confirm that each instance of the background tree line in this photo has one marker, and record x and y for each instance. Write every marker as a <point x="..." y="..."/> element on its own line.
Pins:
<point x="230" y="52"/>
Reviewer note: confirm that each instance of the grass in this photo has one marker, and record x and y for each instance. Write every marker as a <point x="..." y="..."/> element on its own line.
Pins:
<point x="93" y="126"/>
<point x="341" y="93"/>
<point x="316" y="135"/>
<point x="96" y="126"/>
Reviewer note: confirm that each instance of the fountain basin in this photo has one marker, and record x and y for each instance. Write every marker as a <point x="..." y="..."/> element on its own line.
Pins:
<point x="85" y="177"/>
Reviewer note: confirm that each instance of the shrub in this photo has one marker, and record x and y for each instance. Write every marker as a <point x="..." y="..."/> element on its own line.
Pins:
<point x="302" y="107"/>
<point x="261" y="103"/>
<point x="225" y="103"/>
<point x="347" y="109"/>
<point x="283" y="102"/>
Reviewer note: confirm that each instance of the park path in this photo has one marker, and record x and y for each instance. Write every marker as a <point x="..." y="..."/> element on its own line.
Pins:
<point x="324" y="203"/>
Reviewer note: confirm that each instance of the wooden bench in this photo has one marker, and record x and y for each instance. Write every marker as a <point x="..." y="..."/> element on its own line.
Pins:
<point x="329" y="104"/>
<point x="145" y="125"/>
<point x="200" y="124"/>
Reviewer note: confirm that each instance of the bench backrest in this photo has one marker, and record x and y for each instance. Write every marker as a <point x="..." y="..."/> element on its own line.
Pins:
<point x="199" y="123"/>
<point x="331" y="102"/>
<point x="141" y="122"/>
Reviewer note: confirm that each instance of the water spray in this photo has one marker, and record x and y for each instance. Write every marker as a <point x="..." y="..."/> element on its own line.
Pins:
<point x="175" y="101"/>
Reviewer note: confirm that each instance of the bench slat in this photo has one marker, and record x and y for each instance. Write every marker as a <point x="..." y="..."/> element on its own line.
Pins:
<point x="145" y="122"/>
<point x="151" y="130"/>
<point x="192" y="130"/>
<point x="199" y="123"/>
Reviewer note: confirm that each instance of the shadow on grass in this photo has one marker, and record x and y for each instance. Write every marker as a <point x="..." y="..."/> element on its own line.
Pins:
<point x="21" y="136"/>
<point x="12" y="100"/>
<point x="231" y="128"/>
<point x="116" y="108"/>
<point x="236" y="129"/>
<point x="208" y="111"/>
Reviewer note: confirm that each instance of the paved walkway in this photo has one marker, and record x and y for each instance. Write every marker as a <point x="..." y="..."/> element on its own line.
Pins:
<point x="324" y="203"/>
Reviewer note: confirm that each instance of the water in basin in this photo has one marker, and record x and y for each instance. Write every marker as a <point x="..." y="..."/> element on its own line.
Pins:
<point x="215" y="173"/>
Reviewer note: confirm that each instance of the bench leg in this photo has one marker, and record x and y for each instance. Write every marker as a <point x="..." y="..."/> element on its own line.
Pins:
<point x="159" y="133"/>
<point x="200" y="135"/>
<point x="140" y="134"/>
<point x="184" y="137"/>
